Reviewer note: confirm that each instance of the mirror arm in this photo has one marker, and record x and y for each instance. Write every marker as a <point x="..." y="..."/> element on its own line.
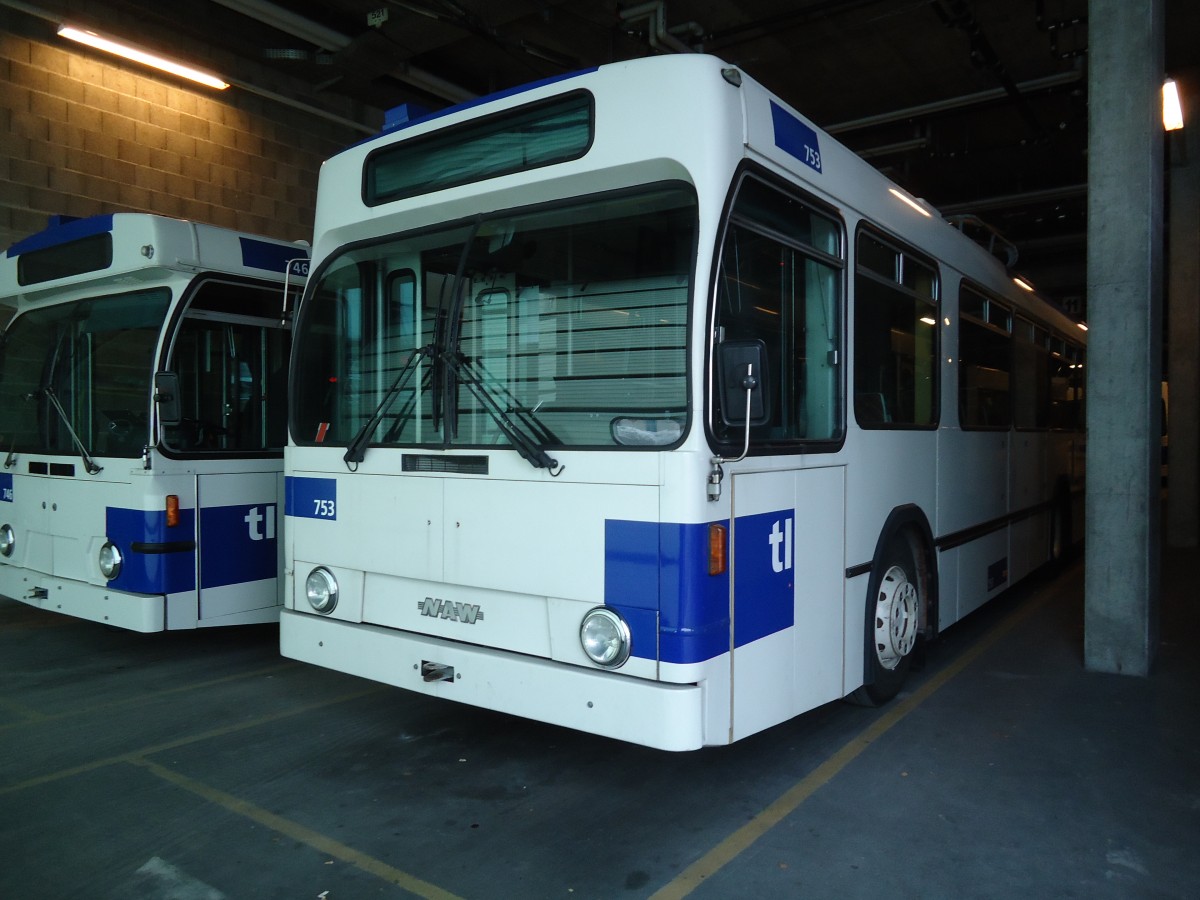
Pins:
<point x="717" y="474"/>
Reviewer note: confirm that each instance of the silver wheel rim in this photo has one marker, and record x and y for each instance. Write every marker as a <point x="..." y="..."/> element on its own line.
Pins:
<point x="896" y="609"/>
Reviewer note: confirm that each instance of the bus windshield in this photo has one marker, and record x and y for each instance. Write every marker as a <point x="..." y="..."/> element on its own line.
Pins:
<point x="556" y="327"/>
<point x="79" y="374"/>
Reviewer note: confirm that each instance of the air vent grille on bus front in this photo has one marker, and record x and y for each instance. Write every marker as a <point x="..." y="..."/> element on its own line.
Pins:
<point x="462" y="465"/>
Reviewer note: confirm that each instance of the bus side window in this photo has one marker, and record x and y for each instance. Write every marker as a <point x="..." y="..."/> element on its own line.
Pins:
<point x="985" y="362"/>
<point x="895" y="337"/>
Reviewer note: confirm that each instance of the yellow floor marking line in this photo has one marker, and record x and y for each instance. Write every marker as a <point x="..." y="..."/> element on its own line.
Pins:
<point x="37" y="717"/>
<point x="185" y="741"/>
<point x="725" y="852"/>
<point x="26" y="714"/>
<point x="297" y="832"/>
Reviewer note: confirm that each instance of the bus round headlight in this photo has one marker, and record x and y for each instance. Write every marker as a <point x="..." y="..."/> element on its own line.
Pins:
<point x="605" y="638"/>
<point x="110" y="560"/>
<point x="7" y="540"/>
<point x="321" y="588"/>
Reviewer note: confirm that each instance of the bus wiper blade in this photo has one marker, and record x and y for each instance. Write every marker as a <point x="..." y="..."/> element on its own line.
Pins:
<point x="88" y="462"/>
<point x="357" y="449"/>
<point x="529" y="449"/>
<point x="525" y="414"/>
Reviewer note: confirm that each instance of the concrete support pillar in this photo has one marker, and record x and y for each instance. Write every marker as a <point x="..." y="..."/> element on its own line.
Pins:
<point x="1183" y="318"/>
<point x="1125" y="238"/>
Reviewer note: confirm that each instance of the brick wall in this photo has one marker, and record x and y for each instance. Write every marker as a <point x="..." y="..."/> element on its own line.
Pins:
<point x="81" y="136"/>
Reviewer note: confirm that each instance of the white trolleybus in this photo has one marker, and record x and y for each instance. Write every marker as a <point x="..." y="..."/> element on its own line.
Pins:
<point x="633" y="403"/>
<point x="143" y="390"/>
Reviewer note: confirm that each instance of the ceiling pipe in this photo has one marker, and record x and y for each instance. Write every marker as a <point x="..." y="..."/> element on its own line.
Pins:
<point x="951" y="103"/>
<point x="659" y="36"/>
<point x="329" y="39"/>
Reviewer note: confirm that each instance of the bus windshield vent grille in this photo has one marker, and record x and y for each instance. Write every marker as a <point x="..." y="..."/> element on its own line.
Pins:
<point x="463" y="465"/>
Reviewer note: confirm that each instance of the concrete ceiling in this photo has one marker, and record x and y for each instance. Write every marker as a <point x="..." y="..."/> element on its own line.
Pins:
<point x="979" y="106"/>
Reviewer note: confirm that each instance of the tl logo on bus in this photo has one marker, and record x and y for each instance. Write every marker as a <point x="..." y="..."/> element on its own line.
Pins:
<point x="437" y="608"/>
<point x="781" y="557"/>
<point x="261" y="522"/>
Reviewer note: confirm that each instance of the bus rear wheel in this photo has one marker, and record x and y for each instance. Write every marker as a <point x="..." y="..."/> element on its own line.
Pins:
<point x="893" y="624"/>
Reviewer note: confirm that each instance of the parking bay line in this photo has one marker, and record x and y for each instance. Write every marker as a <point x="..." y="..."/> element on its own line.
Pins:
<point x="298" y="832"/>
<point x="790" y="800"/>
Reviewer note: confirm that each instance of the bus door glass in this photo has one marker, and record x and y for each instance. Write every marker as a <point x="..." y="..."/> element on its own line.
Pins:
<point x="230" y="354"/>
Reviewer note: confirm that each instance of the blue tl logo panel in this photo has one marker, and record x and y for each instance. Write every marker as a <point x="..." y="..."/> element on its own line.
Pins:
<point x="310" y="498"/>
<point x="794" y="137"/>
<point x="239" y="544"/>
<point x="660" y="570"/>
<point x="6" y="487"/>
<point x="156" y="572"/>
<point x="764" y="552"/>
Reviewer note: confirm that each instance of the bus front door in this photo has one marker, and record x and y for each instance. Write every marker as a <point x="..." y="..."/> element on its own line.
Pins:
<point x="788" y="583"/>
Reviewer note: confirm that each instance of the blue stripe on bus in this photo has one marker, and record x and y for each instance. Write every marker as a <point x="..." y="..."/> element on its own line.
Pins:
<point x="659" y="571"/>
<point x="240" y="544"/>
<point x="152" y="573"/>
<point x="310" y="498"/>
<point x="258" y="254"/>
<point x="6" y="487"/>
<point x="764" y="581"/>
<point x="794" y="137"/>
<point x="61" y="234"/>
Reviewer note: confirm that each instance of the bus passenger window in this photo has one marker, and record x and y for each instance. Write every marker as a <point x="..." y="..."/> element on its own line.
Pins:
<point x="895" y="337"/>
<point x="985" y="362"/>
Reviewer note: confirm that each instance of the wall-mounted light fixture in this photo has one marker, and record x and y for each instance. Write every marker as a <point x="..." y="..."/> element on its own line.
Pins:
<point x="128" y="51"/>
<point x="1172" y="108"/>
<point x="1022" y="284"/>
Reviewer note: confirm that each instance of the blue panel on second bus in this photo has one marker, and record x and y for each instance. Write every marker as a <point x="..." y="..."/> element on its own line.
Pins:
<point x="6" y="487"/>
<point x="239" y="544"/>
<point x="168" y="572"/>
<point x="310" y="498"/>
<point x="662" y="568"/>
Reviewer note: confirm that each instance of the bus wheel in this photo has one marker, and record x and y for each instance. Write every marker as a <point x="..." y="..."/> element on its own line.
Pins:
<point x="893" y="623"/>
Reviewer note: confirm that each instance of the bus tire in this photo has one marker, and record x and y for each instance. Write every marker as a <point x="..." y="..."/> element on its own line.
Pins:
<point x="893" y="622"/>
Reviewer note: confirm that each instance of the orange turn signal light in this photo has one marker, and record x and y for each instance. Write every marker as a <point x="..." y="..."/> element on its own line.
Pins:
<point x="718" y="549"/>
<point x="172" y="510"/>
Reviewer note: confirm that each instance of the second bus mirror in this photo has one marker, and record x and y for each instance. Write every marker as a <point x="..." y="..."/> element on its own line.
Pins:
<point x="166" y="397"/>
<point x="742" y="366"/>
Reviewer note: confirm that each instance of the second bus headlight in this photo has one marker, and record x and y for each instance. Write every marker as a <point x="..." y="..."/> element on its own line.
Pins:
<point x="605" y="637"/>
<point x="7" y="540"/>
<point x="321" y="588"/>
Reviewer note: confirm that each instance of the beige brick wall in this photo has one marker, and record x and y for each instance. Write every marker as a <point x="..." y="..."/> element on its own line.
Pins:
<point x="81" y="136"/>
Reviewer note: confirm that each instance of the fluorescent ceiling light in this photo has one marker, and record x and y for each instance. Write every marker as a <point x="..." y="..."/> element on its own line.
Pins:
<point x="137" y="55"/>
<point x="899" y="195"/>
<point x="1172" y="108"/>
<point x="1023" y="284"/>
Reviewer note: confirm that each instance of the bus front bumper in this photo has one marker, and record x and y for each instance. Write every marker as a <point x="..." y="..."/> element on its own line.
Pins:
<point x="96" y="603"/>
<point x="666" y="716"/>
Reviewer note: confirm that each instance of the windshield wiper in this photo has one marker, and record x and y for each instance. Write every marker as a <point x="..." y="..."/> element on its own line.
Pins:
<point x="88" y="462"/>
<point x="530" y="449"/>
<point x="357" y="449"/>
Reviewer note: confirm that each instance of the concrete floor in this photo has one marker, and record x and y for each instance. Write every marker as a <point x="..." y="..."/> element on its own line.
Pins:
<point x="202" y="766"/>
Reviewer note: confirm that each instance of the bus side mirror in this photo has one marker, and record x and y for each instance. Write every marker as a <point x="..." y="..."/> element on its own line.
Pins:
<point x="166" y="397"/>
<point x="742" y="366"/>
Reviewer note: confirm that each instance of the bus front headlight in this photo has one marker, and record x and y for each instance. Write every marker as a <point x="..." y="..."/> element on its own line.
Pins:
<point x="7" y="540"/>
<point x="321" y="588"/>
<point x="110" y="560"/>
<point x="605" y="637"/>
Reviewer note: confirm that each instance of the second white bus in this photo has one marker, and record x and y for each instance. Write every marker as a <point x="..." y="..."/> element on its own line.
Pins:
<point x="632" y="402"/>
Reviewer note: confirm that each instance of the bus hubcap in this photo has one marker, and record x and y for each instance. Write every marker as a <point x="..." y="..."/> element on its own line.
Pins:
<point x="895" y="618"/>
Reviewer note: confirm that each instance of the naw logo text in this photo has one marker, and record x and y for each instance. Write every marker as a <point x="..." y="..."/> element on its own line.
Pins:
<point x="437" y="608"/>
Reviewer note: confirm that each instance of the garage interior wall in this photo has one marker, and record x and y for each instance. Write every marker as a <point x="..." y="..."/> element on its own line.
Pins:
<point x="83" y="136"/>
